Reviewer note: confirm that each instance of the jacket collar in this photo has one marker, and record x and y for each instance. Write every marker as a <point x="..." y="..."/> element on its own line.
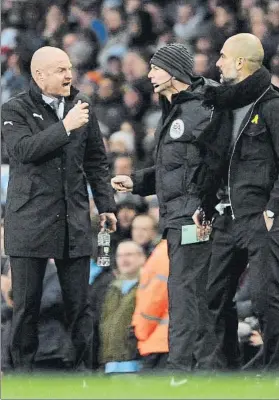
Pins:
<point x="36" y="92"/>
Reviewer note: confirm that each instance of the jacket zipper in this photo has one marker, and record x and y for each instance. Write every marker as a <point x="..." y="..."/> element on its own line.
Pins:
<point x="211" y="113"/>
<point x="229" y="172"/>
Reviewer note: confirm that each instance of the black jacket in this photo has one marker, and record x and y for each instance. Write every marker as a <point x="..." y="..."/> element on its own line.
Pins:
<point x="179" y="171"/>
<point x="254" y="164"/>
<point x="48" y="170"/>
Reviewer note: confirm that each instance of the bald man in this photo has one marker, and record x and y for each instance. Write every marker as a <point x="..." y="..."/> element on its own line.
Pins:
<point x="54" y="145"/>
<point x="246" y="230"/>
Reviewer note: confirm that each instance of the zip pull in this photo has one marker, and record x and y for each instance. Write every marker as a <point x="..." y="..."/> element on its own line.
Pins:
<point x="211" y="113"/>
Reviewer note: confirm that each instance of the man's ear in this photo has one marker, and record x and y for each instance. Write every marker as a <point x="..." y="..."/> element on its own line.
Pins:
<point x="239" y="63"/>
<point x="39" y="74"/>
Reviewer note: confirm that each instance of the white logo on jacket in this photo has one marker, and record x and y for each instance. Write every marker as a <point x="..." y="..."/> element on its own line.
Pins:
<point x="38" y="116"/>
<point x="177" y="129"/>
<point x="8" y="122"/>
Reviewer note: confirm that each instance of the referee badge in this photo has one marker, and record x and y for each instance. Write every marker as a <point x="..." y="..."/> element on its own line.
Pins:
<point x="177" y="129"/>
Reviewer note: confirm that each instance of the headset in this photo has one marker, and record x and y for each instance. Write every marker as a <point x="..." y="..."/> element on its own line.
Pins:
<point x="157" y="85"/>
<point x="172" y="77"/>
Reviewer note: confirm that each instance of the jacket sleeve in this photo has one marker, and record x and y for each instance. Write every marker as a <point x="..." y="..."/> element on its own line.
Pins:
<point x="97" y="169"/>
<point x="152" y="293"/>
<point x="154" y="306"/>
<point x="271" y="117"/>
<point x="21" y="143"/>
<point x="144" y="181"/>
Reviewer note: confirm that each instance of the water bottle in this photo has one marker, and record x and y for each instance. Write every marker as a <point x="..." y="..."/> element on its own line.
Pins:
<point x="103" y="259"/>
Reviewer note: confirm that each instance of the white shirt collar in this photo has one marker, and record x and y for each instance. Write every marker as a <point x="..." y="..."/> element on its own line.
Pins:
<point x="49" y="100"/>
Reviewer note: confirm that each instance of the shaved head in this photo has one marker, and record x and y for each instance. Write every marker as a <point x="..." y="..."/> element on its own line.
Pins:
<point x="45" y="57"/>
<point x="51" y="70"/>
<point x="240" y="57"/>
<point x="248" y="46"/>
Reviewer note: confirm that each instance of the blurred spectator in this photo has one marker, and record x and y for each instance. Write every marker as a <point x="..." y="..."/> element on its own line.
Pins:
<point x="8" y="45"/>
<point x="134" y="66"/>
<point x="201" y="64"/>
<point x="29" y="39"/>
<point x="166" y="36"/>
<point x="116" y="44"/>
<point x="189" y="18"/>
<point x="126" y="212"/>
<point x="140" y="28"/>
<point x="123" y="165"/>
<point x="273" y="19"/>
<point x="274" y="66"/>
<point x="114" y="67"/>
<point x="109" y="107"/>
<point x="55" y="26"/>
<point x="223" y="26"/>
<point x="100" y="279"/>
<point x="88" y="86"/>
<point x="204" y="45"/>
<point x="271" y="41"/>
<point x="145" y="233"/>
<point x="12" y="81"/>
<point x="83" y="52"/>
<point x="122" y="143"/>
<point x="159" y="16"/>
<point x="137" y="93"/>
<point x="118" y="352"/>
<point x="151" y="317"/>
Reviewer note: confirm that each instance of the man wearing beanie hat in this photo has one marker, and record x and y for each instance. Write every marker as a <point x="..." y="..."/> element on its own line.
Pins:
<point x="176" y="60"/>
<point x="180" y="180"/>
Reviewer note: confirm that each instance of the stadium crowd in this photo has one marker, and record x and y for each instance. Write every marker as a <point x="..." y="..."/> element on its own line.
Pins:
<point x="110" y="44"/>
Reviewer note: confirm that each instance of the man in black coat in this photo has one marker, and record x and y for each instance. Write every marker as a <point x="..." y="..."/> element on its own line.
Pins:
<point x="54" y="145"/>
<point x="178" y="178"/>
<point x="246" y="109"/>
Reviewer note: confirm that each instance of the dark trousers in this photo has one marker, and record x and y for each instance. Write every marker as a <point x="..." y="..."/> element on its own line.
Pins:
<point x="235" y="244"/>
<point x="190" y="329"/>
<point x="27" y="283"/>
<point x="154" y="361"/>
<point x="271" y="329"/>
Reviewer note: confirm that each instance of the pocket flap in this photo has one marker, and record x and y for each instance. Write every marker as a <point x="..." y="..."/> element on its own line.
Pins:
<point x="255" y="132"/>
<point x="20" y="193"/>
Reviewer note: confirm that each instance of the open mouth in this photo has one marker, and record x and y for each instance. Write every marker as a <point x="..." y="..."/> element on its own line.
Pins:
<point x="66" y="84"/>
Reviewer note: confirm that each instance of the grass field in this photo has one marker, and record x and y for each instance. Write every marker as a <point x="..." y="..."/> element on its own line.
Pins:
<point x="138" y="387"/>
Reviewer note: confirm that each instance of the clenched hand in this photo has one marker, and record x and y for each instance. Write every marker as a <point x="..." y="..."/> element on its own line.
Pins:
<point x="122" y="183"/>
<point x="77" y="116"/>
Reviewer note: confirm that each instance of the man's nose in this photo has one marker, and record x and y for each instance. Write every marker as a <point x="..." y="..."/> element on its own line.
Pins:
<point x="69" y="74"/>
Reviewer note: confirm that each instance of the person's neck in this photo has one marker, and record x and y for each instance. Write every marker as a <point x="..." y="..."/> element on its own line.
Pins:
<point x="244" y="76"/>
<point x="51" y="96"/>
<point x="130" y="277"/>
<point x="179" y="87"/>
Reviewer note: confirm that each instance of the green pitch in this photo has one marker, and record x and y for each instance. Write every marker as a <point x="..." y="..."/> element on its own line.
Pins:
<point x="139" y="387"/>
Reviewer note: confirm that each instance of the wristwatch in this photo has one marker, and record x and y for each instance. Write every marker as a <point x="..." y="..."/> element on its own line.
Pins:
<point x="269" y="214"/>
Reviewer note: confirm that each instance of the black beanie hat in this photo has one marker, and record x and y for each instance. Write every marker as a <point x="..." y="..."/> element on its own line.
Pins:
<point x="176" y="60"/>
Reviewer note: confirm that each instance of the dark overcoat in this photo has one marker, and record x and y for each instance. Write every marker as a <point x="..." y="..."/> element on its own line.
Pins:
<point x="49" y="170"/>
